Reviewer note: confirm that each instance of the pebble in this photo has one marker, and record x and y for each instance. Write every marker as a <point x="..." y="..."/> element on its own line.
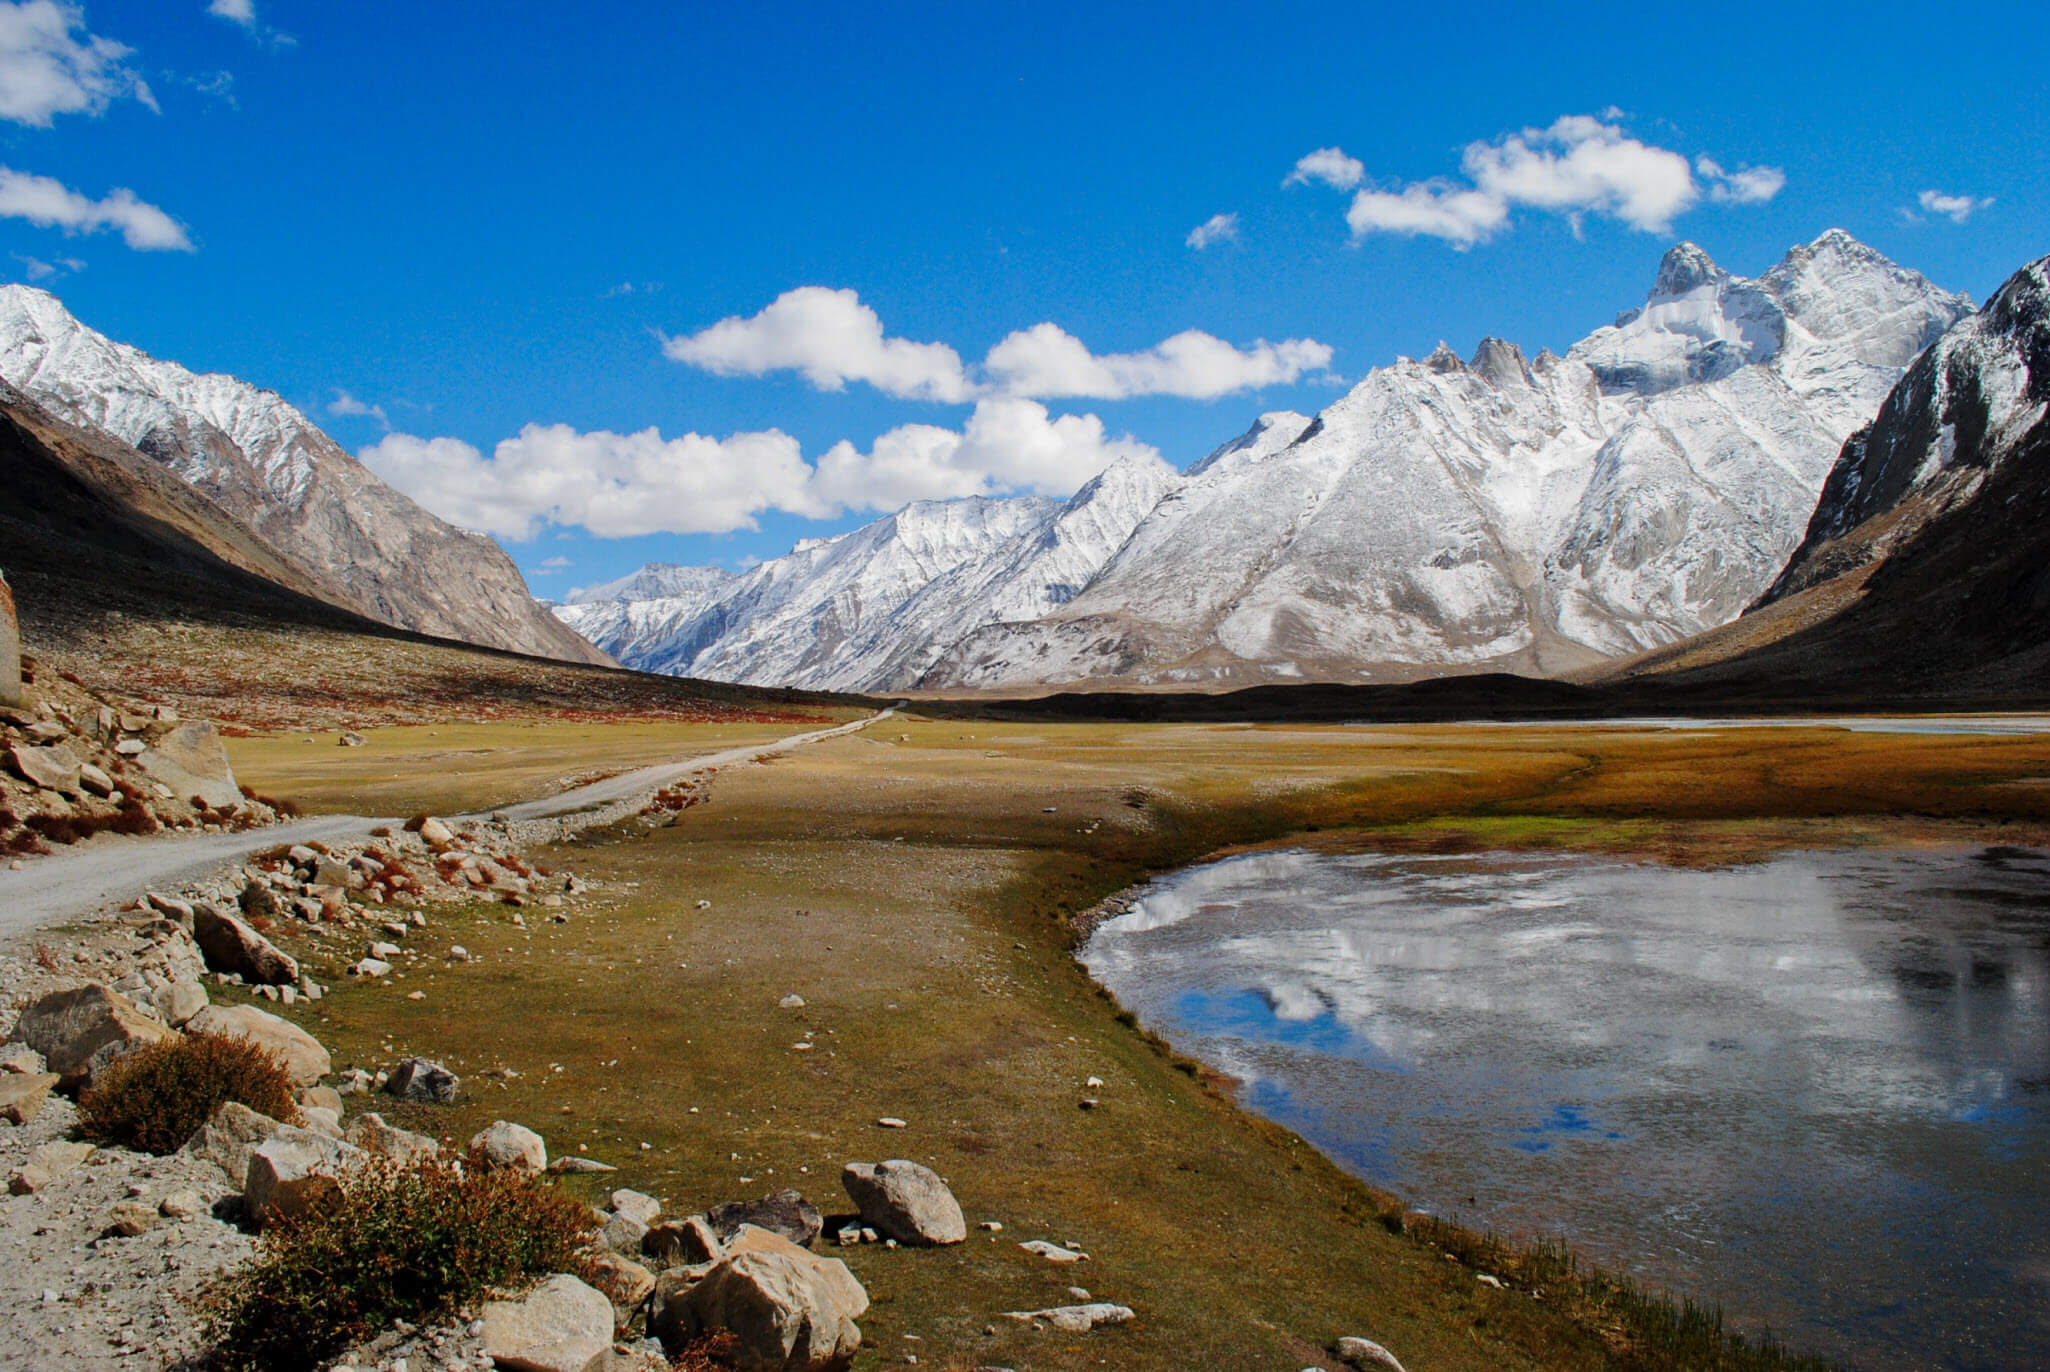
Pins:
<point x="891" y="1122"/>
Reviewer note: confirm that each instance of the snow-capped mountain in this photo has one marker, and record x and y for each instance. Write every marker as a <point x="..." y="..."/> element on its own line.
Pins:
<point x="655" y="581"/>
<point x="1503" y="512"/>
<point x="268" y="466"/>
<point x="872" y="609"/>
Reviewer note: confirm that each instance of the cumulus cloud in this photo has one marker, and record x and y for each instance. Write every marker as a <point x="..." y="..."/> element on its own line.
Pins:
<point x="1047" y="360"/>
<point x="49" y="203"/>
<point x="624" y="485"/>
<point x="830" y="338"/>
<point x="1218" y="228"/>
<point x="1579" y="165"/>
<point x="241" y="12"/>
<point x="1956" y="208"/>
<point x="47" y="69"/>
<point x="348" y="405"/>
<point x="1330" y="166"/>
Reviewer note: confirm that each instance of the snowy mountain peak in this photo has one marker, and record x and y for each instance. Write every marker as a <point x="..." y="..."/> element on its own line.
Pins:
<point x="1685" y="267"/>
<point x="1271" y="433"/>
<point x="1443" y="359"/>
<point x="1501" y="362"/>
<point x="654" y="581"/>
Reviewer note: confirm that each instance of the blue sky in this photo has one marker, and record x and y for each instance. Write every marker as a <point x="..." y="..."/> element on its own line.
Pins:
<point x="519" y="230"/>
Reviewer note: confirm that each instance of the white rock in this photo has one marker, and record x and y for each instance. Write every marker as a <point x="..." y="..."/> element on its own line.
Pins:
<point x="561" y="1326"/>
<point x="505" y="1144"/>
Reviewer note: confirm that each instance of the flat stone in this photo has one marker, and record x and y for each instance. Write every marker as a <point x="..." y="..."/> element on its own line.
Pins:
<point x="94" y="780"/>
<point x="54" y="768"/>
<point x="306" y="1062"/>
<point x="1360" y="1352"/>
<point x="1074" y="1319"/>
<point x="47" y="1164"/>
<point x="573" y="1163"/>
<point x="561" y="1326"/>
<point x="182" y="1205"/>
<point x="231" y="945"/>
<point x="421" y="1080"/>
<point x="22" y="1094"/>
<point x="80" y="1031"/>
<point x="1053" y="1252"/>
<point x="505" y="1144"/>
<point x="130" y="1218"/>
<point x="191" y="761"/>
<point x="369" y="967"/>
<point x="905" y="1200"/>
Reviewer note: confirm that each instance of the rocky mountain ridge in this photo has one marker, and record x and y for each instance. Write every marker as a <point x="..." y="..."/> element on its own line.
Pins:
<point x="364" y="545"/>
<point x="1499" y="512"/>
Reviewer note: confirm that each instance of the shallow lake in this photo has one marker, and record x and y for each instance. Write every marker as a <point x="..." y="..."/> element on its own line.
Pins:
<point x="1815" y="1090"/>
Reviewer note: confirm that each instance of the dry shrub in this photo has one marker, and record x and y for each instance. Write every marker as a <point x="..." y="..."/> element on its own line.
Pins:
<point x="158" y="1096"/>
<point x="289" y="809"/>
<point x="711" y="1351"/>
<point x="409" y="1242"/>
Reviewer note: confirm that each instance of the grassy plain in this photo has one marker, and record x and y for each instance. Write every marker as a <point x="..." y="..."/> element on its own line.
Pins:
<point x="919" y="885"/>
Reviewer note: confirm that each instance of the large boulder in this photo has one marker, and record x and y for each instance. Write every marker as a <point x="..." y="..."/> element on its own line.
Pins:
<point x="10" y="648"/>
<point x="421" y="1080"/>
<point x="305" y="1060"/>
<point x="230" y="945"/>
<point x="191" y="761"/>
<point x="505" y="1144"/>
<point x="625" y="1283"/>
<point x="54" y="768"/>
<point x="369" y="1132"/>
<point x="785" y="1212"/>
<point x="295" y="1171"/>
<point x="688" y="1241"/>
<point x="905" y="1201"/>
<point x="561" y="1326"/>
<point x="788" y="1310"/>
<point x="80" y="1031"/>
<point x="226" y="1138"/>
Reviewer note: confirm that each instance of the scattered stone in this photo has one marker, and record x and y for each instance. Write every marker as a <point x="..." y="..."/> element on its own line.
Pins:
<point x="369" y="1132"/>
<point x="1488" y="1279"/>
<point x="1074" y="1319"/>
<point x="95" y="780"/>
<point x="190" y="760"/>
<point x="305" y="1060"/>
<point x="436" y="835"/>
<point x="993" y="1226"/>
<point x="623" y="1281"/>
<point x="1053" y="1252"/>
<point x="294" y="1171"/>
<point x="131" y="1217"/>
<point x="54" y="768"/>
<point x="789" y="1310"/>
<point x="419" y="1079"/>
<point x="561" y="1326"/>
<point x="793" y="1001"/>
<point x="572" y="1163"/>
<point x="383" y="952"/>
<point x="1366" y="1353"/>
<point x="229" y="945"/>
<point x="623" y="1234"/>
<point x="636" y="1205"/>
<point x="325" y="1097"/>
<point x="351" y="739"/>
<point x="689" y="1242"/>
<point x="179" y="1002"/>
<point x="458" y="953"/>
<point x="22" y="1095"/>
<point x="906" y="1201"/>
<point x="785" y="1213"/>
<point x="370" y="967"/>
<point x="505" y="1144"/>
<point x="80" y="1031"/>
<point x="354" y="1082"/>
<point x="226" y="1138"/>
<point x="46" y="1165"/>
<point x="321" y="1120"/>
<point x="891" y="1122"/>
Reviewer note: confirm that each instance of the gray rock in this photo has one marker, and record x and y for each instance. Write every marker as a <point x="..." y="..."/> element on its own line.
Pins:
<point x="80" y="1031"/>
<point x="306" y="1062"/>
<point x="417" y="1079"/>
<point x="686" y="1241"/>
<point x="636" y="1205"/>
<point x="294" y="1171"/>
<point x="560" y="1326"/>
<point x="623" y="1281"/>
<point x="1366" y="1353"/>
<point x="54" y="768"/>
<point x="906" y="1201"/>
<point x="232" y="946"/>
<point x="46" y="1165"/>
<point x="784" y="1212"/>
<point x="191" y="761"/>
<point x="22" y="1094"/>
<point x="179" y="1002"/>
<point x="505" y="1144"/>
<point x="182" y="1205"/>
<point x="789" y="1310"/>
<point x="369" y="1132"/>
<point x="623" y="1234"/>
<point x="573" y="1163"/>
<point x="226" y="1138"/>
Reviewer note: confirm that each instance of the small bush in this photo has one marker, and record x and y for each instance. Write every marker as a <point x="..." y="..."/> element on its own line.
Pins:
<point x="407" y="1242"/>
<point x="712" y="1351"/>
<point x="157" y="1097"/>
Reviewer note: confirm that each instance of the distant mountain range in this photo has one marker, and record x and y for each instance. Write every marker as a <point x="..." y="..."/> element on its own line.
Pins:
<point x="348" y="537"/>
<point x="1497" y="513"/>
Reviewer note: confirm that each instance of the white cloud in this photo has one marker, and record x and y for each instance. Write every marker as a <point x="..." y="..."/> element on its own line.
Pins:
<point x="46" y="70"/>
<point x="830" y="338"/>
<point x="1580" y="165"/>
<point x="1329" y="165"/>
<point x="47" y="202"/>
<point x="241" y="12"/>
<point x="1744" y="186"/>
<point x="1046" y="360"/>
<point x="346" y="404"/>
<point x="1957" y="208"/>
<point x="35" y="269"/>
<point x="1218" y="228"/>
<point x="625" y="485"/>
<point x="556" y="564"/>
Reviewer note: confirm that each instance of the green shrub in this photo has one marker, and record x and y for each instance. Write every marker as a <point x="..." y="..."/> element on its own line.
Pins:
<point x="407" y="1242"/>
<point x="157" y="1097"/>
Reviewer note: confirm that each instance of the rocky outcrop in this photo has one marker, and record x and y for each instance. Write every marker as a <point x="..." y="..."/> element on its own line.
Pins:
<point x="10" y="647"/>
<point x="80" y="1031"/>
<point x="191" y="761"/>
<point x="906" y="1201"/>
<point x="230" y="945"/>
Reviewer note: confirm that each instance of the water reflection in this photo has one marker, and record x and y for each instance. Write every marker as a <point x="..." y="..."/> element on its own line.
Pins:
<point x="1817" y="1089"/>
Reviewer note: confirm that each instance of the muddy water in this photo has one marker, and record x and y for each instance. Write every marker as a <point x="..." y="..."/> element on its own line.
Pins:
<point x="1815" y="1090"/>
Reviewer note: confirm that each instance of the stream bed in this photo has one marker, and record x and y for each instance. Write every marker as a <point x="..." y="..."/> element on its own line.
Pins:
<point x="1815" y="1090"/>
